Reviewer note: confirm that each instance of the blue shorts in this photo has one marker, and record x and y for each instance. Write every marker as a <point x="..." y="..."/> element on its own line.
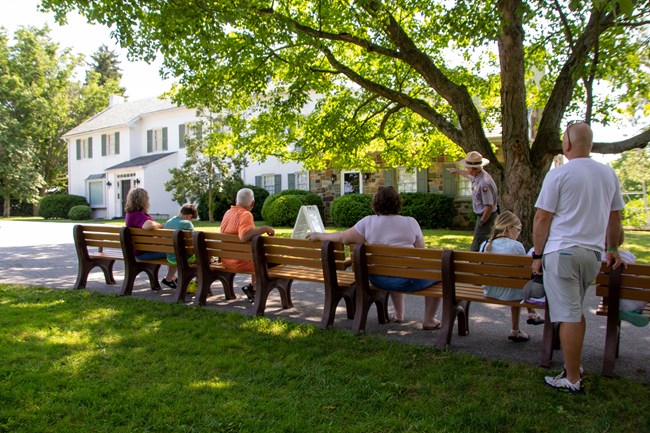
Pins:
<point x="399" y="284"/>
<point x="151" y="255"/>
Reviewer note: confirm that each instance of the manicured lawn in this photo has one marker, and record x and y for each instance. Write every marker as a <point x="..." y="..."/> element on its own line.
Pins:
<point x="74" y="361"/>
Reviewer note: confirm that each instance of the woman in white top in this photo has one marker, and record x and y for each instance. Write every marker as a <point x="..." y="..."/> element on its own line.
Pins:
<point x="387" y="227"/>
<point x="504" y="241"/>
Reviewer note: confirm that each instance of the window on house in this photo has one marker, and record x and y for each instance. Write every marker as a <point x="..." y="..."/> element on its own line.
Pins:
<point x="351" y="183"/>
<point x="156" y="140"/>
<point x="302" y="181"/>
<point x="111" y="144"/>
<point x="268" y="183"/>
<point x="407" y="181"/>
<point x="85" y="148"/>
<point x="188" y="131"/>
<point x="96" y="193"/>
<point x="463" y="186"/>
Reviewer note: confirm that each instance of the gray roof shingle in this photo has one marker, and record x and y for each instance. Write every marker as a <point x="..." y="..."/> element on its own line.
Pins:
<point x="140" y="161"/>
<point x="122" y="114"/>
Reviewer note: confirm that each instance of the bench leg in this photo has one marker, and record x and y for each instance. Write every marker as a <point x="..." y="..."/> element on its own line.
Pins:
<point x="449" y="316"/>
<point x="612" y="335"/>
<point x="84" y="269"/>
<point x="362" y="306"/>
<point x="262" y="292"/>
<point x="131" y="272"/>
<point x="463" y="318"/>
<point x="550" y="339"/>
<point x="332" y="299"/>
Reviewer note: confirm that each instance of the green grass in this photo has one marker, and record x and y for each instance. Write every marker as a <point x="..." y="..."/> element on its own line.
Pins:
<point x="83" y="362"/>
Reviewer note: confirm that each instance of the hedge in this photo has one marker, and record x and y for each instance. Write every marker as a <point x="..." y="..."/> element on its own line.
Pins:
<point x="282" y="209"/>
<point x="80" y="212"/>
<point x="58" y="205"/>
<point x="350" y="208"/>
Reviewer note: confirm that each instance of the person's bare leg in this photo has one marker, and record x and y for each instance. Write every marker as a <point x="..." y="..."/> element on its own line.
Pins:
<point x="398" y="305"/>
<point x="515" y="313"/>
<point x="572" y="335"/>
<point x="431" y="307"/>
<point x="171" y="273"/>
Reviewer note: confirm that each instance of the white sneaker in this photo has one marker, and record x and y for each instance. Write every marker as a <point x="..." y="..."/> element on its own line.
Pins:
<point x="562" y="384"/>
<point x="582" y="372"/>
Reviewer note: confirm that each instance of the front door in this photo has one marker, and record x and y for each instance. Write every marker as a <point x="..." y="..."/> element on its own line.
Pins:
<point x="125" y="187"/>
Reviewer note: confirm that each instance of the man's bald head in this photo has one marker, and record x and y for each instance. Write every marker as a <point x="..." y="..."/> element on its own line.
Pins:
<point x="578" y="140"/>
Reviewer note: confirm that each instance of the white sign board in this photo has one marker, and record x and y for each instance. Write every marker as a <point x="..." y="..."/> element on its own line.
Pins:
<point x="308" y="221"/>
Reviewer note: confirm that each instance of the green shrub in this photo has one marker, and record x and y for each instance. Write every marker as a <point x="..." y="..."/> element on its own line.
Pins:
<point x="432" y="211"/>
<point x="80" y="212"/>
<point x="634" y="213"/>
<point x="271" y="214"/>
<point x="58" y="205"/>
<point x="350" y="208"/>
<point x="260" y="198"/>
<point x="282" y="211"/>
<point x="227" y="198"/>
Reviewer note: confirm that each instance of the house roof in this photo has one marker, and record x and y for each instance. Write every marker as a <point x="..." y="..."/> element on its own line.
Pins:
<point x="122" y="114"/>
<point x="96" y="176"/>
<point x="140" y="161"/>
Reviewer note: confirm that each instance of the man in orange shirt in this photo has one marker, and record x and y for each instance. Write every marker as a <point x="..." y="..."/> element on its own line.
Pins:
<point x="238" y="220"/>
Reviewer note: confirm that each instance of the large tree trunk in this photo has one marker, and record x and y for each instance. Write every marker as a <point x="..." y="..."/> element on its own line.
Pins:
<point x="519" y="185"/>
<point x="6" y="211"/>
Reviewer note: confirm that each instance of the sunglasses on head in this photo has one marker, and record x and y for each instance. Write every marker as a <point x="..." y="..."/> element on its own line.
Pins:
<point x="568" y="125"/>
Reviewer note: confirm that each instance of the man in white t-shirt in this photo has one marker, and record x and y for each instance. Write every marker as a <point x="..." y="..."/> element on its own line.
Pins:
<point x="578" y="211"/>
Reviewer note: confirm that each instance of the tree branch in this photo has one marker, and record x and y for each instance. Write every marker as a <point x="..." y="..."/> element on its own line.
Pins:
<point x="638" y="141"/>
<point x="341" y="37"/>
<point x="417" y="105"/>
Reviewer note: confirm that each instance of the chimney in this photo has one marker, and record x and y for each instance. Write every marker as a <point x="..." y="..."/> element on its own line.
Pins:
<point x="114" y="100"/>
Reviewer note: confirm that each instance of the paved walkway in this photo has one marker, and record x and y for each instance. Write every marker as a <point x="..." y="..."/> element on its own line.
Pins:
<point x="46" y="257"/>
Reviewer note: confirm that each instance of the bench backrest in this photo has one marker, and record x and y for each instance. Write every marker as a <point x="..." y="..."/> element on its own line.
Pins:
<point x="133" y="239"/>
<point x="159" y="240"/>
<point x="273" y="250"/>
<point x="501" y="270"/>
<point x="220" y="245"/>
<point x="184" y="244"/>
<point x="422" y="263"/>
<point x="100" y="236"/>
<point x="632" y="283"/>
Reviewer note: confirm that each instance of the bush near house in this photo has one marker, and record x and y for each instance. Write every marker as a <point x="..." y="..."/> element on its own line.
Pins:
<point x="80" y="212"/>
<point x="225" y="199"/>
<point x="431" y="211"/>
<point x="350" y="208"/>
<point x="55" y="206"/>
<point x="282" y="209"/>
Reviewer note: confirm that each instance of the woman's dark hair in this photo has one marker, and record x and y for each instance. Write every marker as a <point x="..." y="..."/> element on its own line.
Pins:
<point x="387" y="201"/>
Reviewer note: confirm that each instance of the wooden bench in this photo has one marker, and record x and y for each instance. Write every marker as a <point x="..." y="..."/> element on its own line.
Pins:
<point x="209" y="248"/>
<point x="613" y="285"/>
<point x="280" y="261"/>
<point x="97" y="246"/>
<point x="392" y="261"/>
<point x="159" y="240"/>
<point x="464" y="274"/>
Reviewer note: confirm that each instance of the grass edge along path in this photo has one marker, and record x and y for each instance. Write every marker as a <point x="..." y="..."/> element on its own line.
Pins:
<point x="75" y="361"/>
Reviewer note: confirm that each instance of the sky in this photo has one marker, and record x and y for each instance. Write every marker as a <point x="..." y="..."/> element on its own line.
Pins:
<point x="140" y="79"/>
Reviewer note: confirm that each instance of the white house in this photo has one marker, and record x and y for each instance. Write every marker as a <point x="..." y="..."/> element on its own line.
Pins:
<point x="132" y="144"/>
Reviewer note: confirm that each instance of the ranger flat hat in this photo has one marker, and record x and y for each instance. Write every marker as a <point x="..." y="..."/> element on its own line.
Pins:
<point x="474" y="159"/>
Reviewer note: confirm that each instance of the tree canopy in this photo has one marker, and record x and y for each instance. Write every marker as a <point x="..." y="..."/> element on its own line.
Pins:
<point x="40" y="100"/>
<point x="341" y="81"/>
<point x="106" y="63"/>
